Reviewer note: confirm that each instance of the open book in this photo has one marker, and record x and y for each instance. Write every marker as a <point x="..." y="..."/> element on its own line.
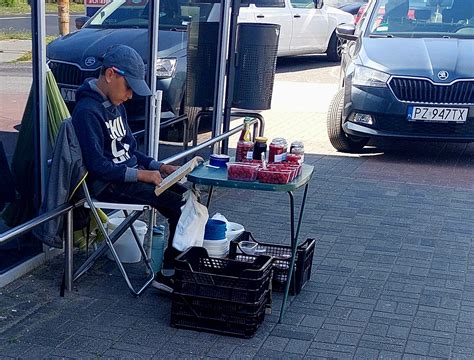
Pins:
<point x="180" y="173"/>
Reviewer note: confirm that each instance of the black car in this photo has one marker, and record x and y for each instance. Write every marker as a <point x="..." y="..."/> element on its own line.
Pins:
<point x="75" y="57"/>
<point x="406" y="72"/>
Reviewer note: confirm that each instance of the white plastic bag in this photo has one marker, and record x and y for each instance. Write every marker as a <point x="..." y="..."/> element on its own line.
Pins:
<point x="191" y="224"/>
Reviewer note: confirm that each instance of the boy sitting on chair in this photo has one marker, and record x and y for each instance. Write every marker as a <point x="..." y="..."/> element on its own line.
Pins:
<point x="118" y="172"/>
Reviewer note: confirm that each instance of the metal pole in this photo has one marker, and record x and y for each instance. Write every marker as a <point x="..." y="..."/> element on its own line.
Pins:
<point x="68" y="249"/>
<point x="219" y="93"/>
<point x="152" y="127"/>
<point x="229" y="92"/>
<point x="153" y="27"/>
<point x="38" y="28"/>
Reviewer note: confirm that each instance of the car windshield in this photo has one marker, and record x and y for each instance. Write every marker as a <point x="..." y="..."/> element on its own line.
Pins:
<point x="174" y="14"/>
<point x="422" y="18"/>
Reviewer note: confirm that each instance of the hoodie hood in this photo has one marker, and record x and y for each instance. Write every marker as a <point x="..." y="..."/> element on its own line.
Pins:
<point x="89" y="89"/>
<point x="428" y="56"/>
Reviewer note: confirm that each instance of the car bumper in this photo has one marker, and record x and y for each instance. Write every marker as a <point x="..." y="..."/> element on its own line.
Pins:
<point x="390" y="118"/>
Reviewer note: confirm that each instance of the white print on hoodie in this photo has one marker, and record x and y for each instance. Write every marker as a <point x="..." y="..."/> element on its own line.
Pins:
<point x="117" y="132"/>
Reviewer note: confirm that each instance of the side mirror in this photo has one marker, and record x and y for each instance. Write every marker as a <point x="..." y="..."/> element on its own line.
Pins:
<point x="80" y="21"/>
<point x="318" y="4"/>
<point x="346" y="32"/>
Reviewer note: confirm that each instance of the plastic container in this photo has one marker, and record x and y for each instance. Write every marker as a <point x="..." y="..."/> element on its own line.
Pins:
<point x="274" y="176"/>
<point x="242" y="171"/>
<point x="215" y="230"/>
<point x="126" y="246"/>
<point x="158" y="246"/>
<point x="217" y="316"/>
<point x="281" y="261"/>
<point x="234" y="230"/>
<point x="219" y="160"/>
<point x="198" y="274"/>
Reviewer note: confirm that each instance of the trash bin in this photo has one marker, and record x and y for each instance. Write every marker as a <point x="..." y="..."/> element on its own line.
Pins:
<point x="201" y="63"/>
<point x="256" y="56"/>
<point x="126" y="246"/>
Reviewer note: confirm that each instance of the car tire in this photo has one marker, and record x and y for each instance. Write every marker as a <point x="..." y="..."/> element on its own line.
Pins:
<point x="334" y="50"/>
<point x="338" y="138"/>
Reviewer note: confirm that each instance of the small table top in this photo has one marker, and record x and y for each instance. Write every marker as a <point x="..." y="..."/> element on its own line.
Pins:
<point x="204" y="175"/>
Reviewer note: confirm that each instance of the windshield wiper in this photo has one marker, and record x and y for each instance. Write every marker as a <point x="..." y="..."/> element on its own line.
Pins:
<point x="381" y="36"/>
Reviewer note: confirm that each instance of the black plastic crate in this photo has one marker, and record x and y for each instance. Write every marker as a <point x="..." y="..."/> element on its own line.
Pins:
<point x="219" y="316"/>
<point x="199" y="275"/>
<point x="281" y="261"/>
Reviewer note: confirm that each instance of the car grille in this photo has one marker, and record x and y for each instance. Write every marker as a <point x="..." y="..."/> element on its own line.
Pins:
<point x="403" y="126"/>
<point x="424" y="91"/>
<point x="70" y="74"/>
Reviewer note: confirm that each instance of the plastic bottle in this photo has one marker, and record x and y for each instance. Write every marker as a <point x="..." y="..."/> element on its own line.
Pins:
<point x="245" y="144"/>
<point x="157" y="248"/>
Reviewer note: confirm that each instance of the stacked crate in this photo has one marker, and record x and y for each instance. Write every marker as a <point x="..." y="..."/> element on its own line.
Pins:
<point x="220" y="295"/>
<point x="281" y="261"/>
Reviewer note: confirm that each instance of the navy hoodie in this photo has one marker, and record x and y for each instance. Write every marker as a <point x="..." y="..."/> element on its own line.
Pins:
<point x="107" y="143"/>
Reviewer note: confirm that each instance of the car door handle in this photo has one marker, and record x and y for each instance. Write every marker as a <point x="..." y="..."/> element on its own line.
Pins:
<point x="297" y="16"/>
<point x="260" y="16"/>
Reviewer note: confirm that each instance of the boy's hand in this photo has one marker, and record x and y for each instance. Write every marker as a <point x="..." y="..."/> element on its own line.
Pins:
<point x="166" y="169"/>
<point x="149" y="176"/>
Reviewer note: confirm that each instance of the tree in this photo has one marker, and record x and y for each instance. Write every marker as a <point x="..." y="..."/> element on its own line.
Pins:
<point x="63" y="16"/>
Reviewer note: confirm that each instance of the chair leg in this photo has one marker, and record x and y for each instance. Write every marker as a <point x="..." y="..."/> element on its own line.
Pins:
<point x="109" y="243"/>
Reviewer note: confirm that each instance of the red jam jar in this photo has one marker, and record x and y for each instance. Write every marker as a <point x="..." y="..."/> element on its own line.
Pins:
<point x="243" y="147"/>
<point x="277" y="150"/>
<point x="293" y="158"/>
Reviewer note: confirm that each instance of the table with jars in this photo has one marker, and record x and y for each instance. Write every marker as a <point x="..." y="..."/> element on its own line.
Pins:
<point x="283" y="170"/>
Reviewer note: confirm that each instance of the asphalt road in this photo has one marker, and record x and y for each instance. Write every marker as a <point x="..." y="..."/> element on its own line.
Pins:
<point x="22" y="23"/>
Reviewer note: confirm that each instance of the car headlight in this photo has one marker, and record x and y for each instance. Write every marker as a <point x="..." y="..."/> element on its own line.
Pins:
<point x="165" y="67"/>
<point x="364" y="76"/>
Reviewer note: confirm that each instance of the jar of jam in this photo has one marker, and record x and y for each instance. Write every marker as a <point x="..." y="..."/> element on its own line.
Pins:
<point x="242" y="151"/>
<point x="259" y="147"/>
<point x="297" y="148"/>
<point x="277" y="150"/>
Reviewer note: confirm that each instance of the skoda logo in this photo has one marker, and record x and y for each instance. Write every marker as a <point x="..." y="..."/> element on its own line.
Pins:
<point x="443" y="75"/>
<point x="91" y="61"/>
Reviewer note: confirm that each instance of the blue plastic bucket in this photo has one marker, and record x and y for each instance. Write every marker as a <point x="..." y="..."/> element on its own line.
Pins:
<point x="215" y="230"/>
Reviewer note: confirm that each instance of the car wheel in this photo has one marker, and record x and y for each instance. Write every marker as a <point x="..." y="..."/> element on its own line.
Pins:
<point x="334" y="51"/>
<point x="338" y="138"/>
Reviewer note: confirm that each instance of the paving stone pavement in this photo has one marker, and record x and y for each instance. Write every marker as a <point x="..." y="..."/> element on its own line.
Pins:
<point x="393" y="271"/>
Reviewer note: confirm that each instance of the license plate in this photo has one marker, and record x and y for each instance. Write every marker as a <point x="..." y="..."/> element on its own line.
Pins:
<point x="69" y="95"/>
<point x="435" y="114"/>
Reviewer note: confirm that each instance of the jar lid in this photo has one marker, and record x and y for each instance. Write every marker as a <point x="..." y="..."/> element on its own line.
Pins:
<point x="220" y="156"/>
<point x="297" y="144"/>
<point x="279" y="141"/>
<point x="261" y="139"/>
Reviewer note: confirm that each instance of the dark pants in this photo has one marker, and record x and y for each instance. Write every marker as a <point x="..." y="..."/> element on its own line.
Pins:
<point x="168" y="204"/>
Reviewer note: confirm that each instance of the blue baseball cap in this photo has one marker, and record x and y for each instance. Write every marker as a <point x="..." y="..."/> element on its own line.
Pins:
<point x="128" y="63"/>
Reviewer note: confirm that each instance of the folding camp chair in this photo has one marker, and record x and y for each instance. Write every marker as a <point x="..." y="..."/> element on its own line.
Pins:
<point x="132" y="212"/>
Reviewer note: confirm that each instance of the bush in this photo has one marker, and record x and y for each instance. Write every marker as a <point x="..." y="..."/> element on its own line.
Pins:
<point x="8" y="3"/>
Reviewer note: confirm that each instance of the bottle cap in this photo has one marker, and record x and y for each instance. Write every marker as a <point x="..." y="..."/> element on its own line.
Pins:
<point x="261" y="139"/>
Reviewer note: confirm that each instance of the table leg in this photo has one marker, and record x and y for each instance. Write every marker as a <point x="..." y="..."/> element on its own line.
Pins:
<point x="294" y="244"/>
<point x="211" y="188"/>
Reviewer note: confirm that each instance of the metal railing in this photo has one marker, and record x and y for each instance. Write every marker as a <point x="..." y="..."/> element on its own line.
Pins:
<point x="67" y="208"/>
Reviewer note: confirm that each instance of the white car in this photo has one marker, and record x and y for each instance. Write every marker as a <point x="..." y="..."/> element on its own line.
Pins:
<point x="307" y="26"/>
